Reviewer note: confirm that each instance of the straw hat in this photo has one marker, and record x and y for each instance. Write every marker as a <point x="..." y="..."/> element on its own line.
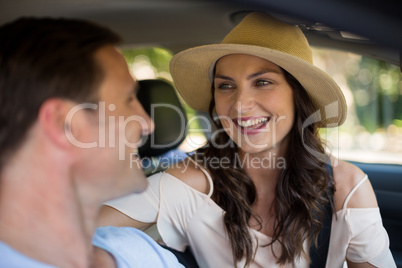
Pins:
<point x="263" y="36"/>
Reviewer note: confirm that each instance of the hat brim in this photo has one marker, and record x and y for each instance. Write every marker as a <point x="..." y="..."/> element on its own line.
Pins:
<point x="191" y="68"/>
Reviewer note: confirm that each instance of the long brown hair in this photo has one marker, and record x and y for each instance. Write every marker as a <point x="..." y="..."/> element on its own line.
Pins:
<point x="300" y="195"/>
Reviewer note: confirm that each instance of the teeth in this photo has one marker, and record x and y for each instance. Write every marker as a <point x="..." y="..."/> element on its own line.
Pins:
<point x="252" y="122"/>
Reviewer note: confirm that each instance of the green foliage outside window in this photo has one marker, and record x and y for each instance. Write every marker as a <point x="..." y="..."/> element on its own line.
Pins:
<point x="154" y="63"/>
<point x="376" y="88"/>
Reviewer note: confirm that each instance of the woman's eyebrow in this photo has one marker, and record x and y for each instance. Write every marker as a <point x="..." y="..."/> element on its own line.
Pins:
<point x="223" y="77"/>
<point x="251" y="76"/>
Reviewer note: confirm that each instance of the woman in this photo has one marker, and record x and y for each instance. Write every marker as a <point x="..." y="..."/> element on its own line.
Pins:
<point x="256" y="194"/>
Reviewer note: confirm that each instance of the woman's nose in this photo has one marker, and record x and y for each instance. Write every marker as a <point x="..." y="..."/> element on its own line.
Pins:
<point x="244" y="101"/>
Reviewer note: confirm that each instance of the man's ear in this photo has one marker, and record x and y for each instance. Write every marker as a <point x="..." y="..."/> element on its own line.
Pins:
<point x="51" y="117"/>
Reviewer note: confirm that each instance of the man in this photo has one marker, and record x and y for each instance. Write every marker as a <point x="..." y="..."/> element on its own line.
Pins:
<point x="70" y="123"/>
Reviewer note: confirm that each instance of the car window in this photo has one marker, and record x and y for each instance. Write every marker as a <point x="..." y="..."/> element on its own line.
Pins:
<point x="153" y="63"/>
<point x="372" y="132"/>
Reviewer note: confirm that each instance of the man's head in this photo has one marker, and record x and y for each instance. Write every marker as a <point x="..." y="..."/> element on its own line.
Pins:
<point x="42" y="59"/>
<point x="47" y="68"/>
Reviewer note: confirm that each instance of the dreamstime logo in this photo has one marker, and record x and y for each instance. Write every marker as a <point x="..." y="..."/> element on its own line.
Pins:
<point x="112" y="124"/>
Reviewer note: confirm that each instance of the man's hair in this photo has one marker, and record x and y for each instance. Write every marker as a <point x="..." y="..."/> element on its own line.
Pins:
<point x="42" y="59"/>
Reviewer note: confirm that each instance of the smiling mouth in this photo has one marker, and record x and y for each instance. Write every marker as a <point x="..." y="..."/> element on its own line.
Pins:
<point x="252" y="123"/>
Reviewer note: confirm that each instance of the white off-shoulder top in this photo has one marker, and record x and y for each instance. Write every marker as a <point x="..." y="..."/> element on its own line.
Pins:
<point x="187" y="217"/>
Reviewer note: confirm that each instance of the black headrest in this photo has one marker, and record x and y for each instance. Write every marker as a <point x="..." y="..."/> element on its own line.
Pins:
<point x="160" y="101"/>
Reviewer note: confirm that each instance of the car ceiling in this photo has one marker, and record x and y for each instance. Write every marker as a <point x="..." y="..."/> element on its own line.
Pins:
<point x="179" y="24"/>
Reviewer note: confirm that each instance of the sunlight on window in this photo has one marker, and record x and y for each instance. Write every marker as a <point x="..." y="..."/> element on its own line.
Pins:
<point x="372" y="131"/>
<point x="153" y="63"/>
<point x="142" y="68"/>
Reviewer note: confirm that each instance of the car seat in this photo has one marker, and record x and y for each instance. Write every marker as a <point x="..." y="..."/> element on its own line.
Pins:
<point x="160" y="149"/>
<point x="160" y="101"/>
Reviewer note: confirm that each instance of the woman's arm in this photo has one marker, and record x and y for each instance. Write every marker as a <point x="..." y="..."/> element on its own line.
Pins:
<point x="359" y="265"/>
<point x="346" y="176"/>
<point x="111" y="216"/>
<point x="184" y="171"/>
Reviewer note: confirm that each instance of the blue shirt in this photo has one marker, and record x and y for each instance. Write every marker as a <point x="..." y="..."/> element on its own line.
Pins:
<point x="10" y="258"/>
<point x="130" y="247"/>
<point x="133" y="248"/>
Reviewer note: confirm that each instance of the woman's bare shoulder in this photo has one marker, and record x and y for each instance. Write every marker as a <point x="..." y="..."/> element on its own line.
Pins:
<point x="189" y="173"/>
<point x="346" y="177"/>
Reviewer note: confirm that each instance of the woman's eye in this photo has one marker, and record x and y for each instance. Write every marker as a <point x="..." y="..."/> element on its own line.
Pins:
<point x="225" y="86"/>
<point x="262" y="83"/>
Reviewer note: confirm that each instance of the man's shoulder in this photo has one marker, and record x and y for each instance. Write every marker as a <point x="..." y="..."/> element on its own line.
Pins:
<point x="12" y="258"/>
<point x="129" y="245"/>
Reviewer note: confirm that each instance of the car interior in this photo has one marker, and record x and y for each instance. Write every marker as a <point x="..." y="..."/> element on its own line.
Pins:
<point x="368" y="28"/>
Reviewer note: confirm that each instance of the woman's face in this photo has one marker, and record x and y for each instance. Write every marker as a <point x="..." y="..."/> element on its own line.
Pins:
<point x="254" y="102"/>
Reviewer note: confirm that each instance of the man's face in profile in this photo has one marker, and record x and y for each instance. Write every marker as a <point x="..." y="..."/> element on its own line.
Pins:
<point x="118" y="125"/>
